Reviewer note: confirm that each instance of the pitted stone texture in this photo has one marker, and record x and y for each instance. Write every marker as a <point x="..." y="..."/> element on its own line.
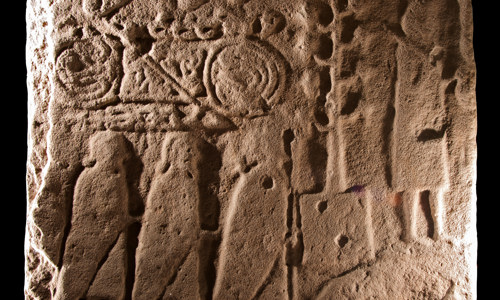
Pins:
<point x="210" y="149"/>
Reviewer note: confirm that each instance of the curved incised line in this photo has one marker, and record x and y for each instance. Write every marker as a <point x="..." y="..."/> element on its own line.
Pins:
<point x="168" y="78"/>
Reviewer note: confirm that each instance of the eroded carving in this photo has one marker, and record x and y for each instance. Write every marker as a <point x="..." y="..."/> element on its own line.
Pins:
<point x="249" y="90"/>
<point x="167" y="238"/>
<point x="102" y="8"/>
<point x="89" y="71"/>
<point x="206" y="149"/>
<point x="99" y="215"/>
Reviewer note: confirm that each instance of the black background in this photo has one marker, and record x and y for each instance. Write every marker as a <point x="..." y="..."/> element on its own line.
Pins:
<point x="13" y="139"/>
<point x="486" y="33"/>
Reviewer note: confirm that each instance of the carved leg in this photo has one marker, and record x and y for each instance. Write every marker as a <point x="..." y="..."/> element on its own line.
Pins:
<point x="436" y="206"/>
<point x="409" y="206"/>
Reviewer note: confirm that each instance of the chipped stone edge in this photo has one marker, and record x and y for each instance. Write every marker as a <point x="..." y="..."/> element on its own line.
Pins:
<point x="39" y="66"/>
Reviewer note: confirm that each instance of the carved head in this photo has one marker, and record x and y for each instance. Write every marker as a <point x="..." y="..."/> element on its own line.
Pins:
<point x="108" y="146"/>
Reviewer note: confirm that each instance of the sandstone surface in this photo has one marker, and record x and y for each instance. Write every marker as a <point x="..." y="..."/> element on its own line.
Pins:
<point x="245" y="149"/>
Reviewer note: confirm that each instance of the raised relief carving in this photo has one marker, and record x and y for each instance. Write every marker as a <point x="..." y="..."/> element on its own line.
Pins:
<point x="254" y="223"/>
<point x="151" y="118"/>
<point x="424" y="179"/>
<point x="245" y="90"/>
<point x="99" y="215"/>
<point x="168" y="238"/>
<point x="163" y="72"/>
<point x="200" y="25"/>
<point x="244" y="149"/>
<point x="186" y="68"/>
<point x="102" y="8"/>
<point x="268" y="23"/>
<point x="89" y="71"/>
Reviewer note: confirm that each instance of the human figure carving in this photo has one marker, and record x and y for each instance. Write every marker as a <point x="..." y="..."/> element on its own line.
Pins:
<point x="170" y="224"/>
<point x="253" y="237"/>
<point x="99" y="215"/>
<point x="421" y="117"/>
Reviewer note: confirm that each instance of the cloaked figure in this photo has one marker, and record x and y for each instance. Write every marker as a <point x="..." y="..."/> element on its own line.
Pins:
<point x="426" y="89"/>
<point x="251" y="262"/>
<point x="167" y="249"/>
<point x="99" y="214"/>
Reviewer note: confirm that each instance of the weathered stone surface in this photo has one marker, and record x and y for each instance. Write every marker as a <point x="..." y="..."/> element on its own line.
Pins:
<point x="244" y="149"/>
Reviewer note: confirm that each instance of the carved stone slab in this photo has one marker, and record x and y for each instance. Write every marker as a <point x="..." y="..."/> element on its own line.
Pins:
<point x="245" y="149"/>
